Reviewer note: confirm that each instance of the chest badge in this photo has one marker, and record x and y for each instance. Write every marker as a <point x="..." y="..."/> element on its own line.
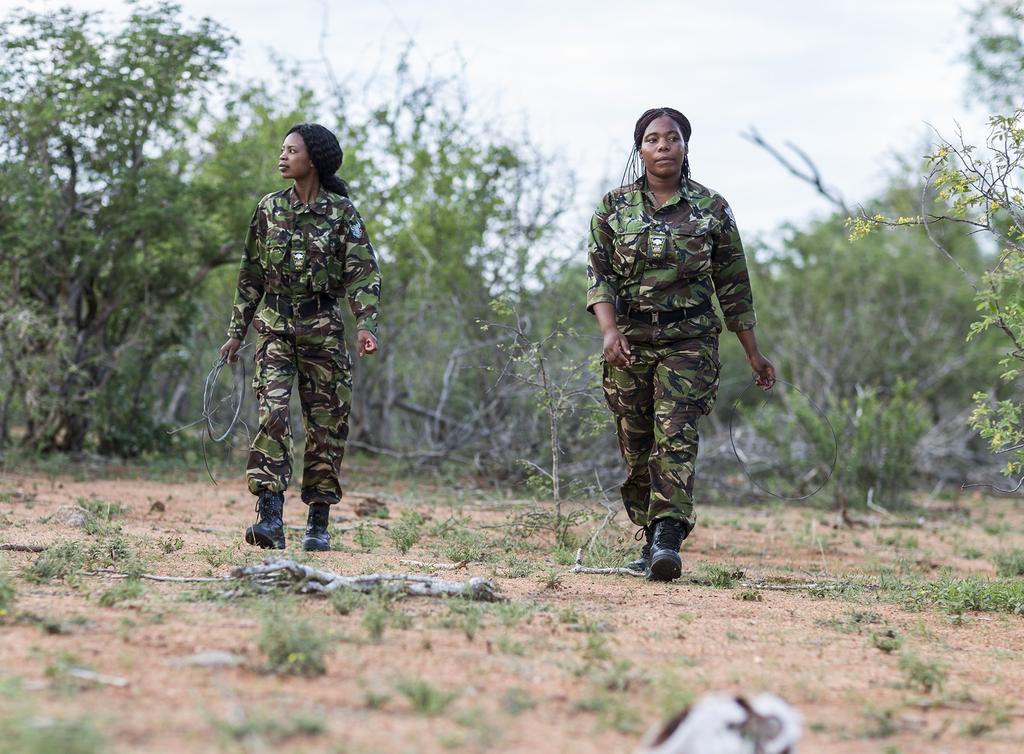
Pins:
<point x="657" y="245"/>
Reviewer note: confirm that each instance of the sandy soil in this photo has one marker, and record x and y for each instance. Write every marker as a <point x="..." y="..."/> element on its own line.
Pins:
<point x="586" y="663"/>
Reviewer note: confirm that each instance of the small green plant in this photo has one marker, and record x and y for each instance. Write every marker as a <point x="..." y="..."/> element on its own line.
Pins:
<point x="517" y="701"/>
<point x="128" y="589"/>
<point x="1010" y="563"/>
<point x="102" y="510"/>
<point x="171" y="544"/>
<point x="7" y="593"/>
<point x="406" y="531"/>
<point x="460" y="545"/>
<point x="344" y="601"/>
<point x="926" y="675"/>
<point x="57" y="562"/>
<point x="887" y="641"/>
<point x="750" y="595"/>
<point x="509" y="646"/>
<point x="715" y="575"/>
<point x="272" y="728"/>
<point x="467" y="615"/>
<point x="365" y="537"/>
<point x="293" y="646"/>
<point x="25" y="734"/>
<point x="425" y="699"/>
<point x="376" y="618"/>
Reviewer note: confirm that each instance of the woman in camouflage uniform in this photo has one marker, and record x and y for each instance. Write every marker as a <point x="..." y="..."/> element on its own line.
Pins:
<point x="660" y="246"/>
<point x="306" y="249"/>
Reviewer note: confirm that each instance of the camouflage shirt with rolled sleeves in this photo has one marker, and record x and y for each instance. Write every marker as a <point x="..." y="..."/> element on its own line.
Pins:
<point x="298" y="250"/>
<point x="669" y="257"/>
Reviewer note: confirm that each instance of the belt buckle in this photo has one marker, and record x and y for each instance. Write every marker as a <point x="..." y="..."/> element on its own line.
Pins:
<point x="654" y="318"/>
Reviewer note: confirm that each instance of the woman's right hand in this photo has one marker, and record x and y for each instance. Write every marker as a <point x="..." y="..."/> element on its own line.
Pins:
<point x="616" y="348"/>
<point x="229" y="351"/>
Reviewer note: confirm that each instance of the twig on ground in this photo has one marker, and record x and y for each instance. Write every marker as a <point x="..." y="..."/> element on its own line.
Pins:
<point x="436" y="566"/>
<point x="23" y="548"/>
<point x="289" y="574"/>
<point x="157" y="577"/>
<point x="88" y="675"/>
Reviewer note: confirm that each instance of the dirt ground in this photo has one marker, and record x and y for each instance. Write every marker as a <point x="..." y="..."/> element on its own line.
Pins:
<point x="839" y="622"/>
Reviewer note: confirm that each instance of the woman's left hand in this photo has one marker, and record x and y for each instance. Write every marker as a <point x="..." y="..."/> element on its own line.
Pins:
<point x="366" y="344"/>
<point x="764" y="370"/>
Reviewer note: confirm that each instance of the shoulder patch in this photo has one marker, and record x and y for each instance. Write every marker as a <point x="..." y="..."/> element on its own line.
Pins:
<point x="356" y="229"/>
<point x="729" y="214"/>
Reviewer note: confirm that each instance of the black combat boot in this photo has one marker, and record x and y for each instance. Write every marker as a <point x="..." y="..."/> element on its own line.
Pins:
<point x="317" y="537"/>
<point x="268" y="531"/>
<point x="665" y="561"/>
<point x="641" y="564"/>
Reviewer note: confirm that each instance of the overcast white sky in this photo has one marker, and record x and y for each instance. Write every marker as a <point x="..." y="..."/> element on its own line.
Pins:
<point x="849" y="81"/>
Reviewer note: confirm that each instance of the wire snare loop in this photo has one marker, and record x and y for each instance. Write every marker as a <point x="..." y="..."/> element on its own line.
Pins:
<point x="743" y="464"/>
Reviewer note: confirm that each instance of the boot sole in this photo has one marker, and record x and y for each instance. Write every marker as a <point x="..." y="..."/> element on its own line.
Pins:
<point x="255" y="538"/>
<point x="314" y="545"/>
<point x="665" y="567"/>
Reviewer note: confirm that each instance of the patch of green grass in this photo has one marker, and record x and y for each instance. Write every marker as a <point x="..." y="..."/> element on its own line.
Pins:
<point x="8" y="595"/>
<point x="460" y="544"/>
<point x="879" y="723"/>
<point x="102" y="510"/>
<point x="516" y="701"/>
<point x="509" y="646"/>
<point x="168" y="545"/>
<point x="406" y="531"/>
<point x="215" y="557"/>
<point x="273" y="729"/>
<point x="509" y="614"/>
<point x="852" y="621"/>
<point x="292" y="645"/>
<point x="425" y="698"/>
<point x="468" y="616"/>
<point x="344" y="601"/>
<point x="516" y="567"/>
<point x="887" y="641"/>
<point x="750" y="595"/>
<point x="926" y="675"/>
<point x="612" y="712"/>
<point x="958" y="595"/>
<point x="25" y="734"/>
<point x="376" y="617"/>
<point x="1010" y="563"/>
<point x="57" y="562"/>
<point x="366" y="538"/>
<point x="128" y="589"/>
<point x="969" y="553"/>
<point x="716" y="575"/>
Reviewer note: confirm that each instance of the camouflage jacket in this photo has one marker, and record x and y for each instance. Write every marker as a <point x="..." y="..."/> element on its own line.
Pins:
<point x="298" y="250"/>
<point x="670" y="257"/>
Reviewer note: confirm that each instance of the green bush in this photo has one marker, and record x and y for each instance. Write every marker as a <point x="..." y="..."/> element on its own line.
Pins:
<point x="293" y="646"/>
<point x="406" y="531"/>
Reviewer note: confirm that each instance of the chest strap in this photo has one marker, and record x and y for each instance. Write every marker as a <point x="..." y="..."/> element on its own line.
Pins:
<point x="289" y="307"/>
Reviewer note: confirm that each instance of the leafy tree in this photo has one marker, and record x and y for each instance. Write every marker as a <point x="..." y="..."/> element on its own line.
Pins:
<point x="101" y="236"/>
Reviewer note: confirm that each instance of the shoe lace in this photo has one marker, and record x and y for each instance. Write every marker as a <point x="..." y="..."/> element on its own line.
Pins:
<point x="641" y="534"/>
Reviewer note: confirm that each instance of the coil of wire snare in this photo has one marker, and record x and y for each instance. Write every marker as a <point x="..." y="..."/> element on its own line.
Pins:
<point x="237" y="386"/>
<point x="746" y="471"/>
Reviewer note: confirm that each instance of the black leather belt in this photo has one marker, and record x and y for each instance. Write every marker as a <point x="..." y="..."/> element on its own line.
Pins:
<point x="289" y="308"/>
<point x="662" y="318"/>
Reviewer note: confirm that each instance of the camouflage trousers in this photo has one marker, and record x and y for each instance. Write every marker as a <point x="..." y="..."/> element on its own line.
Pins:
<point x="657" y="402"/>
<point x="312" y="348"/>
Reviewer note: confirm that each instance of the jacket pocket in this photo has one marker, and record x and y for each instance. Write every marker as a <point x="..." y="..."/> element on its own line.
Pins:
<point x="691" y="245"/>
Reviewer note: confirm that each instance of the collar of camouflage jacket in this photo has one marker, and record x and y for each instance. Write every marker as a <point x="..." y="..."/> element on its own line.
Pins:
<point x="682" y="195"/>
<point x="321" y="205"/>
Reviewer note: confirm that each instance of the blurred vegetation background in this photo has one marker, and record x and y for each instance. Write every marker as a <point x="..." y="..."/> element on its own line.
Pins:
<point x="130" y="165"/>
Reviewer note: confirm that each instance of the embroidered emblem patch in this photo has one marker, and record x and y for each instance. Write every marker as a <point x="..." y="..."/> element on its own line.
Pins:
<point x="356" y="230"/>
<point x="728" y="211"/>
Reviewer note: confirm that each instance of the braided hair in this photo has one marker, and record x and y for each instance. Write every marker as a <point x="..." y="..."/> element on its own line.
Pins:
<point x="635" y="169"/>
<point x="325" y="154"/>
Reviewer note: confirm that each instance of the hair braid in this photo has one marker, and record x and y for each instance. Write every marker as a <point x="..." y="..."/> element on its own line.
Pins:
<point x="634" y="169"/>
<point x="325" y="153"/>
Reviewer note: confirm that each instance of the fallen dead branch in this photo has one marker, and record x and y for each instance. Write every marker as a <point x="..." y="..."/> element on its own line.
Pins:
<point x="436" y="566"/>
<point x="157" y="577"/>
<point x="280" y="573"/>
<point x="23" y="548"/>
<point x="83" y="674"/>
